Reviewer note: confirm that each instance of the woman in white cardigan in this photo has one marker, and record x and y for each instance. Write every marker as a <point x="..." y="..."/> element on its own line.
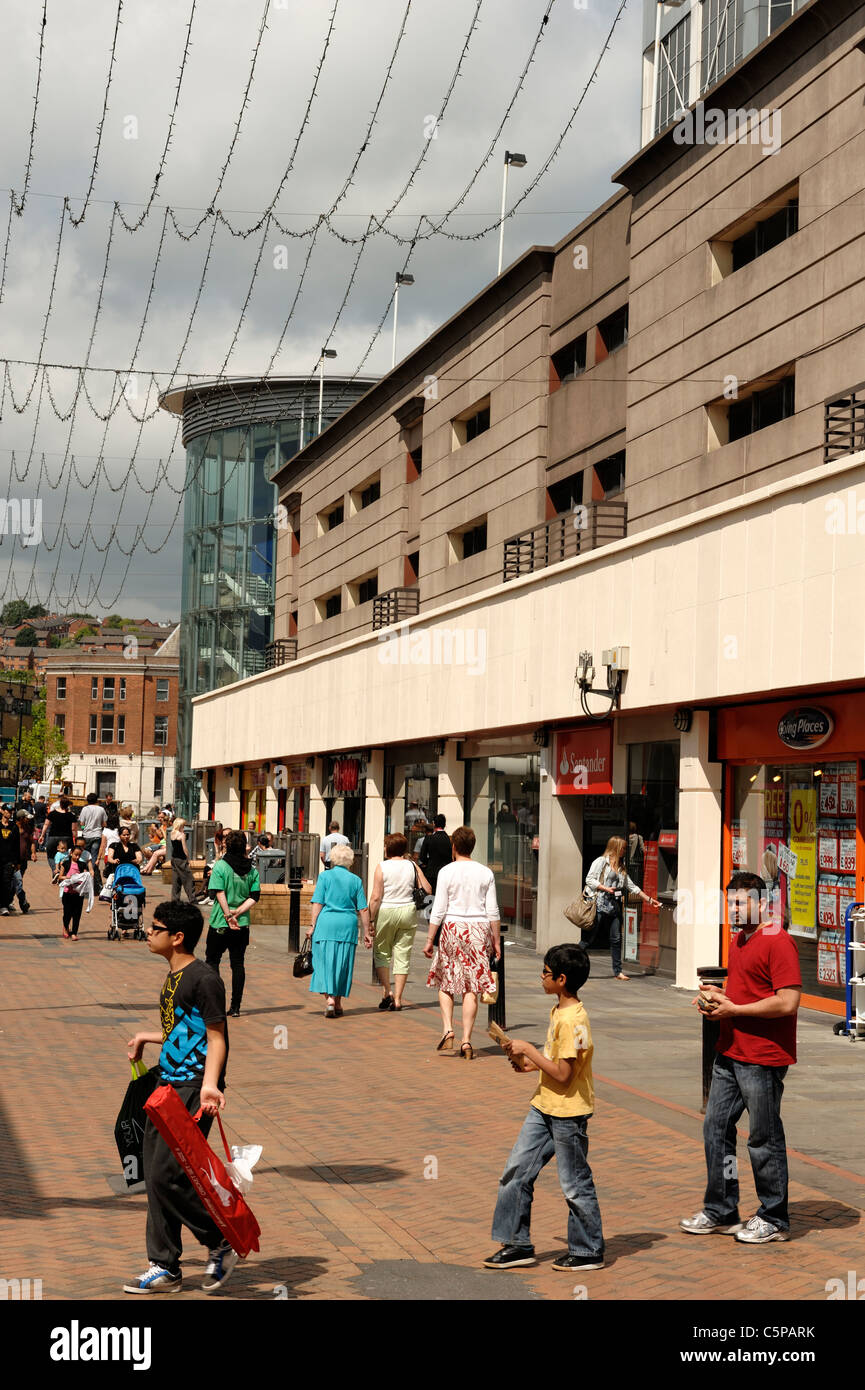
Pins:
<point x="606" y="883"/>
<point x="465" y="905"/>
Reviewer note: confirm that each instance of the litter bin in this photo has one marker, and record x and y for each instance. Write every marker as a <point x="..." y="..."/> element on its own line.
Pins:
<point x="271" y="865"/>
<point x="710" y="975"/>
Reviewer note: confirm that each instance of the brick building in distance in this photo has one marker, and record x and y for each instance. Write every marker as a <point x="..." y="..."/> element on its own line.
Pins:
<point x="116" y="705"/>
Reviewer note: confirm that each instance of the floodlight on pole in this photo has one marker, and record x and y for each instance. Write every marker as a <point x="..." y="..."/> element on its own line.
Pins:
<point x="325" y="352"/>
<point x="519" y="162"/>
<point x="399" y="280"/>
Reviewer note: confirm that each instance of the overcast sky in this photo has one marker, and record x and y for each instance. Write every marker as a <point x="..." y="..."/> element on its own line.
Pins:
<point x="150" y="44"/>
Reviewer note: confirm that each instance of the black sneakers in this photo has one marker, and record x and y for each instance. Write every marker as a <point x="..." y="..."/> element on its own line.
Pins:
<point x="575" y="1263"/>
<point x="511" y="1257"/>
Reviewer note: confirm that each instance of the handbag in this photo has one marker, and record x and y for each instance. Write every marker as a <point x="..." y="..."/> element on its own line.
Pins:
<point x="583" y="910"/>
<point x="490" y="996"/>
<point x="417" y="892"/>
<point x="222" y="1200"/>
<point x="303" y="960"/>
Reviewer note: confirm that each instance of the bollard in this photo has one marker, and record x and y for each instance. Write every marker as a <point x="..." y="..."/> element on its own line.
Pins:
<point x="496" y="1011"/>
<point x="709" y="975"/>
<point x="294" y="883"/>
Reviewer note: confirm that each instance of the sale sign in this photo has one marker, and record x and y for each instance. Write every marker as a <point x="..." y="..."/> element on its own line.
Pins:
<point x="803" y="843"/>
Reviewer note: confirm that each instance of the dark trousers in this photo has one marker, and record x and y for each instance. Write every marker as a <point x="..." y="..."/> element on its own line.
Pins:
<point x="172" y="1201"/>
<point x="235" y="942"/>
<point x="93" y="847"/>
<point x="7" y="887"/>
<point x="51" y="843"/>
<point x="181" y="877"/>
<point x="72" y="905"/>
<point x="739" y="1086"/>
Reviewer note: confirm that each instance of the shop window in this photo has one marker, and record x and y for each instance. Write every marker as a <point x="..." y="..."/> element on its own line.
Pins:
<point x="471" y="423"/>
<point x="570" y="361"/>
<point x="795" y="827"/>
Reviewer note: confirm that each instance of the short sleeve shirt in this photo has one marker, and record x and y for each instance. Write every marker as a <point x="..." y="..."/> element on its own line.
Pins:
<point x="328" y="843"/>
<point x="236" y="889"/>
<point x="190" y="1000"/>
<point x="568" y="1035"/>
<point x="759" y="965"/>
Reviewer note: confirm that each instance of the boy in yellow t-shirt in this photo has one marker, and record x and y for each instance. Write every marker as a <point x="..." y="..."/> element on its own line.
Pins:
<point x="556" y="1124"/>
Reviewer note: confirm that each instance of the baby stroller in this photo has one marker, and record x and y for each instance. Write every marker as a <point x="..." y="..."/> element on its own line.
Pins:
<point x="128" y="896"/>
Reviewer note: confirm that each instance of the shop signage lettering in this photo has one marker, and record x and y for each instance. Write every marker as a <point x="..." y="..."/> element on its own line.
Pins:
<point x="805" y="728"/>
<point x="584" y="762"/>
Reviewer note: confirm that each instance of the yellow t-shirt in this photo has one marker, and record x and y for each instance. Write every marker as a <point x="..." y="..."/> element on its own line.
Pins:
<point x="568" y="1035"/>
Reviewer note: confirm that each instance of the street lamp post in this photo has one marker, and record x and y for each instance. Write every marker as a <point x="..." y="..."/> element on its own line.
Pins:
<point x="14" y="704"/>
<point x="325" y="352"/>
<point x="400" y="280"/>
<point x="519" y="162"/>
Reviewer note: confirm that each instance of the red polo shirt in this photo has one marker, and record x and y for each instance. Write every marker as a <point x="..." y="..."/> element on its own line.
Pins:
<point x="759" y="965"/>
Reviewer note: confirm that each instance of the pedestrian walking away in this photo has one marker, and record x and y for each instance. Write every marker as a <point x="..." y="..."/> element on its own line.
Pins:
<point x="465" y="907"/>
<point x="557" y="1123"/>
<point x="193" y="1057"/>
<point x="91" y="823"/>
<point x="393" y="915"/>
<point x="333" y="837"/>
<point x="59" y="825"/>
<point x="235" y="886"/>
<point x="26" y="831"/>
<point x="606" y="883"/>
<point x="757" y="1044"/>
<point x="338" y="903"/>
<point x="181" y="874"/>
<point x="435" y="852"/>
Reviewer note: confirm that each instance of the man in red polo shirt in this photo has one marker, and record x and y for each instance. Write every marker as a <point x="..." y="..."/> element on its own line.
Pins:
<point x="757" y="1014"/>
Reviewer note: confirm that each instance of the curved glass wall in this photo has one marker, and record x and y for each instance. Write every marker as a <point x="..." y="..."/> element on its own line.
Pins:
<point x="228" y="554"/>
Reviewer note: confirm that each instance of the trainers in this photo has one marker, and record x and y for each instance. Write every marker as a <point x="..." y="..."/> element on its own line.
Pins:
<point x="511" y="1257"/>
<point x="760" y="1232"/>
<point x="25" y="906"/>
<point x="4" y="912"/>
<point x="155" y="1280"/>
<point x="578" y="1262"/>
<point x="219" y="1266"/>
<point x="703" y="1225"/>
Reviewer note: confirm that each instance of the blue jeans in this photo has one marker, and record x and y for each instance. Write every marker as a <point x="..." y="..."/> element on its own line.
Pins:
<point x="540" y="1137"/>
<point x="614" y="920"/>
<point x="738" y="1086"/>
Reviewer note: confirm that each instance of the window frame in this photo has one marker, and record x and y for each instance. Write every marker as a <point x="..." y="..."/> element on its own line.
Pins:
<point x="104" y="728"/>
<point x="160" y="720"/>
<point x="94" y="728"/>
<point x="58" y="693"/>
<point x="166" y="681"/>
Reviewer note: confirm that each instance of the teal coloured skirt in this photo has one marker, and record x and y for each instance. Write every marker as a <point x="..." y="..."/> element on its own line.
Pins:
<point x="332" y="967"/>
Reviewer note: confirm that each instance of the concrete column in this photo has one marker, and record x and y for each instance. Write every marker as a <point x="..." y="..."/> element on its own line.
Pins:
<point x="373" y="832"/>
<point x="699" y="882"/>
<point x="317" y="809"/>
<point x="560" y="860"/>
<point x="452" y="771"/>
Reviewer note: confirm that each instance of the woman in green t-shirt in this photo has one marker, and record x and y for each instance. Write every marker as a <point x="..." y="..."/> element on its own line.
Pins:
<point x="235" y="886"/>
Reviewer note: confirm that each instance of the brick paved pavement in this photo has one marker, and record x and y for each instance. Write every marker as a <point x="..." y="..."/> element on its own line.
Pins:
<point x="352" y="1113"/>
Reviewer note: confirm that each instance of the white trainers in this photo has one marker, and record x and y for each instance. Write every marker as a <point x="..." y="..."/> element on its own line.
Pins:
<point x="219" y="1266"/>
<point x="155" y="1280"/>
<point x="760" y="1232"/>
<point x="703" y="1225"/>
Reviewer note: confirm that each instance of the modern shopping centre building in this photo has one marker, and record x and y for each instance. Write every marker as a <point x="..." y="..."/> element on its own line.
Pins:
<point x="646" y="444"/>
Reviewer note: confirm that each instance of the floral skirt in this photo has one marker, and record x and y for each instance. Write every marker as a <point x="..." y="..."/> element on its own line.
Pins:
<point x="461" y="965"/>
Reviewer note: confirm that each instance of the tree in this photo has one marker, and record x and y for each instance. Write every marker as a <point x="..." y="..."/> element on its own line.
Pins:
<point x="14" y="612"/>
<point x="85" y="632"/>
<point x="26" y="637"/>
<point x="113" y="620"/>
<point x="53" y="640"/>
<point x="37" y="611"/>
<point x="43" y="747"/>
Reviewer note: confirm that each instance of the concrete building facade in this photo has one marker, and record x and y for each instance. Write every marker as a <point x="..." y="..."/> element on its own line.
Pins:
<point x="617" y="550"/>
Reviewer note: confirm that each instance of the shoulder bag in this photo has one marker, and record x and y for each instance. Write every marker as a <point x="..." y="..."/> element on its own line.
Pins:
<point x="417" y="892"/>
<point x="583" y="910"/>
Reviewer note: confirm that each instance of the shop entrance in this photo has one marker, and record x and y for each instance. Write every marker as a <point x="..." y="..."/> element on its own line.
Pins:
<point x="503" y="797"/>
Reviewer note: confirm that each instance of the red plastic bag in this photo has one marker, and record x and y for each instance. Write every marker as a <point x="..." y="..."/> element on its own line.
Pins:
<point x="205" y="1170"/>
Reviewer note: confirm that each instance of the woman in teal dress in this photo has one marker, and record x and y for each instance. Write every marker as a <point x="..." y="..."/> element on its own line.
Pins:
<point x="337" y="903"/>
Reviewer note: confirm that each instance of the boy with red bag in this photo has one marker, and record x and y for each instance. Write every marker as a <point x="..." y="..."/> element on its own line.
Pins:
<point x="194" y="1040"/>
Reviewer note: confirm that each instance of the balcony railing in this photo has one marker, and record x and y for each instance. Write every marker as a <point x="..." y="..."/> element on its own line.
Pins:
<point x="573" y="533"/>
<point x="845" y="425"/>
<point x="394" y="605"/>
<point x="279" y="653"/>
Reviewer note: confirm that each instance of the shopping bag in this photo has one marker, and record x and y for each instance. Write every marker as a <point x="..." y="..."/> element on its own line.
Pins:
<point x="131" y="1119"/>
<point x="205" y="1170"/>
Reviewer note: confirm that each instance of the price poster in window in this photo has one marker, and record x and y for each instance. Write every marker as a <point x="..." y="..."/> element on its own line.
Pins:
<point x="631" y="934"/>
<point x="803" y="843"/>
<point x="772" y="870"/>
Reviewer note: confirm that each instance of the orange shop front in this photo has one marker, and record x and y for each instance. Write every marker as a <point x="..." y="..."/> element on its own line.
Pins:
<point x="793" y="809"/>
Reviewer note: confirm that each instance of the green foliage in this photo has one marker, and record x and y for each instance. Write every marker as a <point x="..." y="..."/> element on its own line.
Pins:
<point x="85" y="632"/>
<point x="43" y="747"/>
<point x="14" y="612"/>
<point x="114" y="620"/>
<point x="37" y="611"/>
<point x="26" y="637"/>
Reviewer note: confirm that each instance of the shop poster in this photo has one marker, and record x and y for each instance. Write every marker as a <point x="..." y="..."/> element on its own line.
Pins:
<point x="631" y="933"/>
<point x="776" y="861"/>
<point x="803" y="843"/>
